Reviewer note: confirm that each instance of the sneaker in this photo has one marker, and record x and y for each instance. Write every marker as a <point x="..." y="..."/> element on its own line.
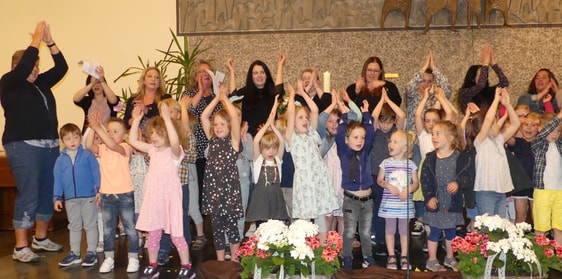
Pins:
<point x="90" y="260"/>
<point x="373" y="239"/>
<point x="368" y="261"/>
<point x="133" y="265"/>
<point x="186" y="273"/>
<point x="199" y="243"/>
<point x="46" y="245"/>
<point x="251" y="230"/>
<point x="107" y="265"/>
<point x="346" y="263"/>
<point x="99" y="248"/>
<point x="70" y="259"/>
<point x="25" y="255"/>
<point x="227" y="255"/>
<point x="163" y="257"/>
<point x="417" y="229"/>
<point x="150" y="272"/>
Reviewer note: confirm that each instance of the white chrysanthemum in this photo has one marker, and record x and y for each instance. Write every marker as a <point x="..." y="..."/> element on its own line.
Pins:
<point x="272" y="232"/>
<point x="302" y="252"/>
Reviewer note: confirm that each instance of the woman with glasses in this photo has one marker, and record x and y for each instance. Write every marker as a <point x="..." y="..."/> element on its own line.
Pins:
<point x="369" y="85"/>
<point x="427" y="76"/>
<point x="541" y="95"/>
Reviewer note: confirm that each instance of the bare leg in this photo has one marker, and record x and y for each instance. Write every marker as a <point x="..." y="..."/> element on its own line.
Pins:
<point x="233" y="248"/>
<point x="22" y="236"/>
<point x="41" y="228"/>
<point x="521" y="206"/>
<point x="330" y="222"/>
<point x="199" y="229"/>
<point x="557" y="235"/>
<point x="220" y="255"/>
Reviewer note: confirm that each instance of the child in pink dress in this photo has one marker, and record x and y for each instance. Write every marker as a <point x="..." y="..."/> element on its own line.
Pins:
<point x="161" y="207"/>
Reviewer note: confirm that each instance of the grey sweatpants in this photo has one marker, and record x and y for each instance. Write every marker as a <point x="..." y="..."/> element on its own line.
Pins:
<point x="82" y="213"/>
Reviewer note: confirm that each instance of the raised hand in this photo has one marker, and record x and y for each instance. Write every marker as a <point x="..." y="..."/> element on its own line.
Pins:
<point x="300" y="88"/>
<point x="432" y="60"/>
<point x="164" y="111"/>
<point x="185" y="101"/>
<point x="138" y="113"/>
<point x="282" y="59"/>
<point x="94" y="119"/>
<point x="427" y="62"/>
<point x="39" y="33"/>
<point x="230" y="64"/>
<point x="47" y="37"/>
<point x="359" y="83"/>
<point x="365" y="106"/>
<point x="472" y="108"/>
<point x="100" y="72"/>
<point x="505" y="96"/>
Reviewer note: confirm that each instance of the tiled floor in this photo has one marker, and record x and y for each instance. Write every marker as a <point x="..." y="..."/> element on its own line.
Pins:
<point x="48" y="265"/>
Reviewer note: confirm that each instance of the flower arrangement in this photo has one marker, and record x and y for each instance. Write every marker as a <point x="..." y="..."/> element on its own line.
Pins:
<point x="288" y="251"/>
<point x="505" y="246"/>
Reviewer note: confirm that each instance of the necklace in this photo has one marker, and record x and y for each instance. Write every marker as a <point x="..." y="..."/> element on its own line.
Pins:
<point x="267" y="182"/>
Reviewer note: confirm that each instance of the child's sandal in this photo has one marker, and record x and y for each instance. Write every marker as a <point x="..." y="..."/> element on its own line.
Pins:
<point x="435" y="266"/>
<point x="404" y="264"/>
<point x="451" y="263"/>
<point x="391" y="263"/>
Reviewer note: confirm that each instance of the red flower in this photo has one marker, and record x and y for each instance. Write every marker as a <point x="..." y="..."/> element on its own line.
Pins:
<point x="334" y="238"/>
<point x="559" y="251"/>
<point x="548" y="252"/>
<point x="474" y="260"/>
<point x="329" y="254"/>
<point x="313" y="242"/>
<point x="263" y="254"/>
<point x="542" y="240"/>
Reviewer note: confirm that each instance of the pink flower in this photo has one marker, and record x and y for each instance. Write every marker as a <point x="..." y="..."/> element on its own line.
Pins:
<point x="474" y="260"/>
<point x="262" y="254"/>
<point x="559" y="251"/>
<point x="313" y="242"/>
<point x="334" y="238"/>
<point x="548" y="252"/>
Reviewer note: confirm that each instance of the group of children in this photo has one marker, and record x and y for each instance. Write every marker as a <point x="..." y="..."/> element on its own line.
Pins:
<point x="339" y="156"/>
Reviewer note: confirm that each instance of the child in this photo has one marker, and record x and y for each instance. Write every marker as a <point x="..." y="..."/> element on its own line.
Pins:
<point x="313" y="195"/>
<point x="222" y="198"/>
<point x="397" y="175"/>
<point x="77" y="180"/>
<point x="354" y="142"/>
<point x="116" y="189"/>
<point x="493" y="178"/>
<point x="389" y="118"/>
<point x="547" y="148"/>
<point x="161" y="207"/>
<point x="182" y="129"/>
<point x="267" y="198"/>
<point x="522" y="150"/>
<point x="445" y="172"/>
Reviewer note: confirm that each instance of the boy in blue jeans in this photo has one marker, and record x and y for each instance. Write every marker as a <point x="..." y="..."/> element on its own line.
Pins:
<point x="77" y="181"/>
<point x="354" y="141"/>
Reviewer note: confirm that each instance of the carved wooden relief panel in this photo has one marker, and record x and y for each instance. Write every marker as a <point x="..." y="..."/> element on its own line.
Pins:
<point x="199" y="17"/>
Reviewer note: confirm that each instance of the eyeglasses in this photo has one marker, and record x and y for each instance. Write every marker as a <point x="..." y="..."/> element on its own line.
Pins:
<point x="374" y="71"/>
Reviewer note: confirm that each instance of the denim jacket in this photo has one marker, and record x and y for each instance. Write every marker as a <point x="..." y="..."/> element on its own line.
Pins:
<point x="365" y="180"/>
<point x="81" y="180"/>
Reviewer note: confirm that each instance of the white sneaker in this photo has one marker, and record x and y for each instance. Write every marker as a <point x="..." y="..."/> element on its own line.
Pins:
<point x="133" y="265"/>
<point x="25" y="255"/>
<point x="251" y="230"/>
<point x="107" y="265"/>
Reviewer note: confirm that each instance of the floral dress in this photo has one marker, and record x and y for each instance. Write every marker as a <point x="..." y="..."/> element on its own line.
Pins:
<point x="221" y="185"/>
<point x="313" y="194"/>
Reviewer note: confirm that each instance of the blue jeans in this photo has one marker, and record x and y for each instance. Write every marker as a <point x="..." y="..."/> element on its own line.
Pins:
<point x="492" y="203"/>
<point x="378" y="224"/>
<point x="166" y="240"/>
<point x="354" y="212"/>
<point x="122" y="205"/>
<point x="33" y="171"/>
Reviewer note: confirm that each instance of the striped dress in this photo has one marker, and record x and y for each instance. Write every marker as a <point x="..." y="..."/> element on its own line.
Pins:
<point x="399" y="174"/>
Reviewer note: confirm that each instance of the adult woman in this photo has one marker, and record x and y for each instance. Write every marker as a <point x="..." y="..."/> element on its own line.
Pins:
<point x="542" y="89"/>
<point x="259" y="93"/>
<point x="96" y="96"/>
<point x="427" y="76"/>
<point x="476" y="88"/>
<point x="31" y="140"/>
<point x="152" y="89"/>
<point x="369" y="85"/>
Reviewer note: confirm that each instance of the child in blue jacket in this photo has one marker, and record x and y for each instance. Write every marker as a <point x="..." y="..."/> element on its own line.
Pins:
<point x="77" y="181"/>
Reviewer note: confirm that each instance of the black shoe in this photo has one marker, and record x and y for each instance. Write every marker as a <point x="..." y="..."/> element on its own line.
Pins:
<point x="150" y="272"/>
<point x="380" y="251"/>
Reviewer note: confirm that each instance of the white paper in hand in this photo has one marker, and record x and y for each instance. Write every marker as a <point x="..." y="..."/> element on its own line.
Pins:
<point x="217" y="78"/>
<point x="89" y="66"/>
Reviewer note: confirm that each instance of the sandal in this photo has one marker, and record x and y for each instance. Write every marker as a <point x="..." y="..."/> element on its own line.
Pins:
<point x="391" y="263"/>
<point x="451" y="263"/>
<point x="435" y="266"/>
<point x="199" y="243"/>
<point x="404" y="264"/>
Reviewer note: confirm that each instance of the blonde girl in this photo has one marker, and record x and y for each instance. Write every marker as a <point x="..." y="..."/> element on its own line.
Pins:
<point x="222" y="198"/>
<point x="397" y="175"/>
<point x="446" y="173"/>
